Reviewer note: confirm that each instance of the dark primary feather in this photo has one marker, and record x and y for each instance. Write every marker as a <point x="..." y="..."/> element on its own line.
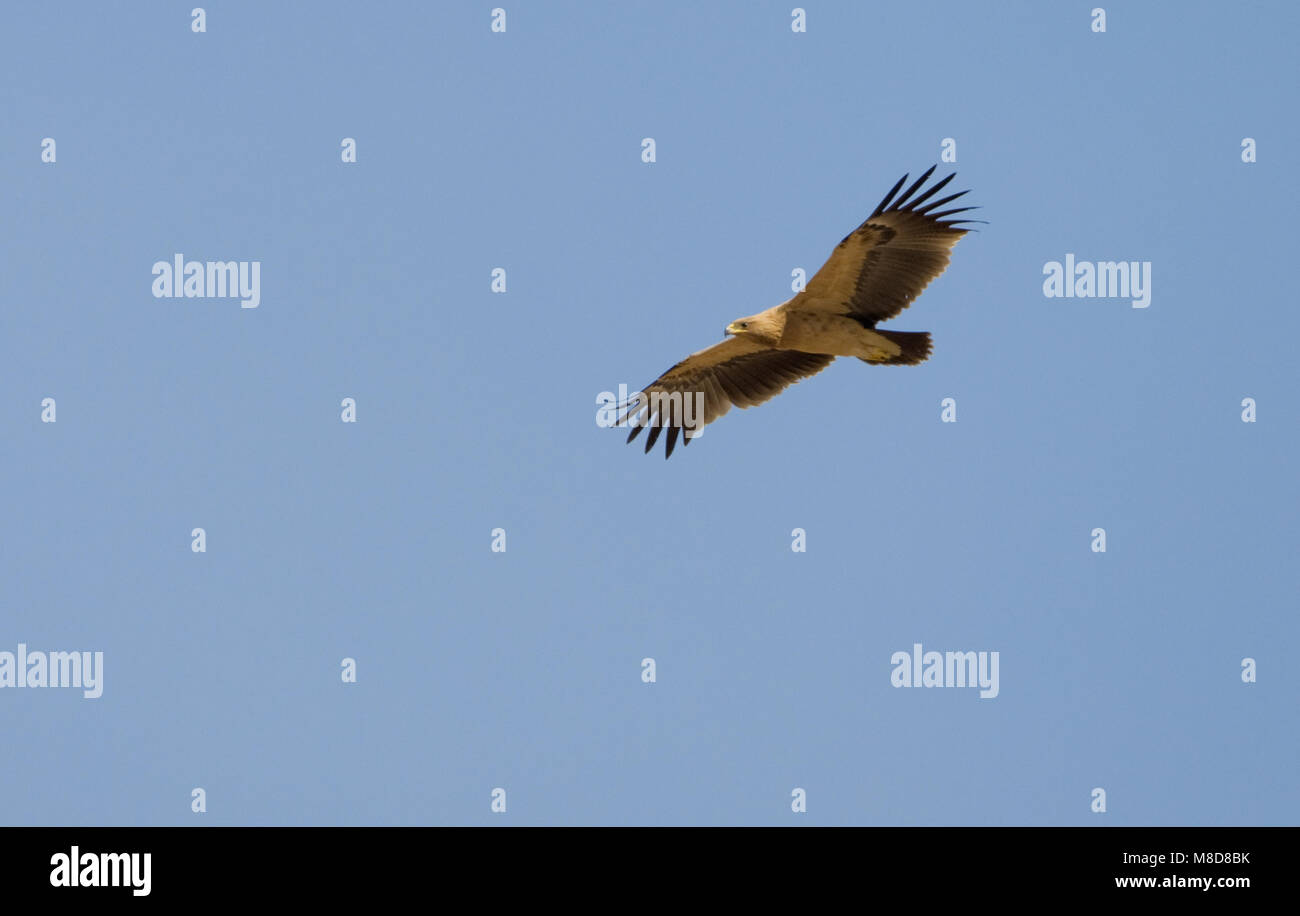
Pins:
<point x="882" y="266"/>
<point x="743" y="380"/>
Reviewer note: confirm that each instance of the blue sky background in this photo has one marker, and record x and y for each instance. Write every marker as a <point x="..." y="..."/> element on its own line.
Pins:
<point x="476" y="410"/>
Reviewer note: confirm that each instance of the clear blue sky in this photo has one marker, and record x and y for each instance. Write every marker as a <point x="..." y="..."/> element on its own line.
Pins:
<point x="477" y="410"/>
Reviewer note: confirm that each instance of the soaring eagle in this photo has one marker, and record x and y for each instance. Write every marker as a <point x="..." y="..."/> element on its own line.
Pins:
<point x="871" y="276"/>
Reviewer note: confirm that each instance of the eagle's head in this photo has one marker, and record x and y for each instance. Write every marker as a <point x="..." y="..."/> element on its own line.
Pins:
<point x="764" y="326"/>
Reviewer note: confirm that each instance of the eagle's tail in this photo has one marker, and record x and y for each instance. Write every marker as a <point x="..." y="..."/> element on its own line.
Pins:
<point x="914" y="345"/>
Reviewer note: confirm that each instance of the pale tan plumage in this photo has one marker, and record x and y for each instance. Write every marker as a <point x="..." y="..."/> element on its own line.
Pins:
<point x="873" y="274"/>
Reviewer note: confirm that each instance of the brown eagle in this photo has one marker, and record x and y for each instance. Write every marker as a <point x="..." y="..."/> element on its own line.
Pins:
<point x="871" y="276"/>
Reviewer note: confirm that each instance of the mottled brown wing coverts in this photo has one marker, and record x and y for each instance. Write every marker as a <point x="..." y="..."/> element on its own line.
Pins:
<point x="736" y="372"/>
<point x="873" y="274"/>
<point x="883" y="265"/>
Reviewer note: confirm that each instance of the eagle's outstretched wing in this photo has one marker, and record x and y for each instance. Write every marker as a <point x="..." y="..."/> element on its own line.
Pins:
<point x="884" y="264"/>
<point x="702" y="387"/>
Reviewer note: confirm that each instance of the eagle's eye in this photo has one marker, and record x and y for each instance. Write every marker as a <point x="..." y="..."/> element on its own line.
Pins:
<point x="744" y="324"/>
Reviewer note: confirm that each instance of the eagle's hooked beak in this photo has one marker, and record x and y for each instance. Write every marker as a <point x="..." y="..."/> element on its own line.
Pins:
<point x="730" y="329"/>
